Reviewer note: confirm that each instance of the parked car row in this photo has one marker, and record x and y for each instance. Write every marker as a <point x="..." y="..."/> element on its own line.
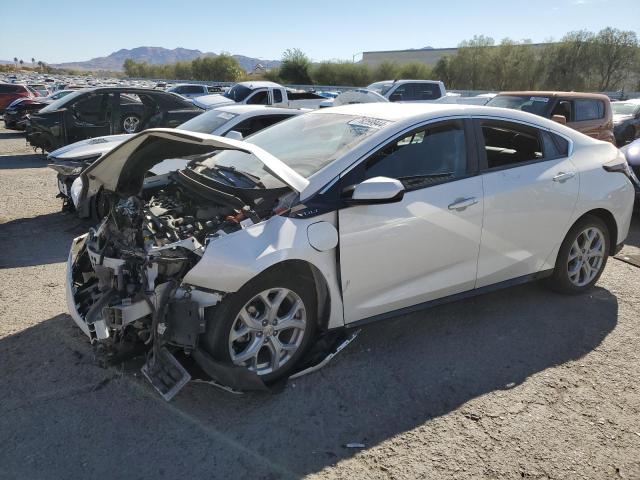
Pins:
<point x="103" y="111"/>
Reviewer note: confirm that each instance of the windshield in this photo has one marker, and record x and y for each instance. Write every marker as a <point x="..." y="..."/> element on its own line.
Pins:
<point x="237" y="93"/>
<point x="62" y="102"/>
<point x="526" y="103"/>
<point x="624" y="108"/>
<point x="207" y="122"/>
<point x="306" y="143"/>
<point x="380" y="87"/>
<point x="60" y="94"/>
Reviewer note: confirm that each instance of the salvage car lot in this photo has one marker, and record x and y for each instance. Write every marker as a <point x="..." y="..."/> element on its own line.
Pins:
<point x="516" y="383"/>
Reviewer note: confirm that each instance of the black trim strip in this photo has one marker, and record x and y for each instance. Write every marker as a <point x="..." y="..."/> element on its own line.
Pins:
<point x="452" y="298"/>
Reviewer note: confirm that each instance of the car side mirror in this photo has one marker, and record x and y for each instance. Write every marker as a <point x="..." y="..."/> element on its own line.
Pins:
<point x="561" y="119"/>
<point x="234" y="135"/>
<point x="376" y="190"/>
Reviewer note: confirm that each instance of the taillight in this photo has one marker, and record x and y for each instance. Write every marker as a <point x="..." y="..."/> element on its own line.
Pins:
<point x="625" y="169"/>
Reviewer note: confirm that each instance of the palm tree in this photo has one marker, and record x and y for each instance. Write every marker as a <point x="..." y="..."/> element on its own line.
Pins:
<point x="21" y="63"/>
<point x="33" y="61"/>
<point x="40" y="64"/>
<point x="15" y="61"/>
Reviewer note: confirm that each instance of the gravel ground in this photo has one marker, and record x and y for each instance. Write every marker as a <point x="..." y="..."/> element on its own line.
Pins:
<point x="521" y="383"/>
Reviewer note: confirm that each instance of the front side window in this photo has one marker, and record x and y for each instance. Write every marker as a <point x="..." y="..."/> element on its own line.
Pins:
<point x="588" y="110"/>
<point x="277" y="96"/>
<point x="259" y="98"/>
<point x="432" y="155"/>
<point x="92" y="105"/>
<point x="509" y="144"/>
<point x="404" y="93"/>
<point x="192" y="89"/>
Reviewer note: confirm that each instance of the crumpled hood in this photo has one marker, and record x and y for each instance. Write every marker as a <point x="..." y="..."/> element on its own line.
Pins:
<point x="88" y="148"/>
<point x="619" y="118"/>
<point x="211" y="101"/>
<point x="122" y="169"/>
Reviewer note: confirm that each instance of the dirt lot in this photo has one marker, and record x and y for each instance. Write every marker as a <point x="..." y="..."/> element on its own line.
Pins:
<point x="521" y="383"/>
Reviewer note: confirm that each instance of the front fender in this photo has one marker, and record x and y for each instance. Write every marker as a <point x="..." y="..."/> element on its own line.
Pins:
<point x="232" y="260"/>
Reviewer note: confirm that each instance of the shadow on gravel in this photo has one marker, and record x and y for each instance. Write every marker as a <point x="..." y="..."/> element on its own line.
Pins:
<point x="26" y="160"/>
<point x="11" y="134"/>
<point x="634" y="231"/>
<point x="395" y="377"/>
<point x="38" y="240"/>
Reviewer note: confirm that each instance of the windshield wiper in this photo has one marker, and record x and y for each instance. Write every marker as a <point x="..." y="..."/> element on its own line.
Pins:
<point x="252" y="178"/>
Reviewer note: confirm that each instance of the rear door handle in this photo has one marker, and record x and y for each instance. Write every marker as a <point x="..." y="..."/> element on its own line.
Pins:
<point x="462" y="203"/>
<point x="564" y="176"/>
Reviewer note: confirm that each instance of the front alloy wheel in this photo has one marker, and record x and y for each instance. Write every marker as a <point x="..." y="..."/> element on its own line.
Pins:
<point x="267" y="325"/>
<point x="268" y="330"/>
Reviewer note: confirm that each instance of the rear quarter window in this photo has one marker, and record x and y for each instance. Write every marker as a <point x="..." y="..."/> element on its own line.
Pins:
<point x="588" y="110"/>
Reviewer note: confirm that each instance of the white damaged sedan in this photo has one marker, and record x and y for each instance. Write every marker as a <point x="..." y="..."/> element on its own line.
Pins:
<point x="330" y="220"/>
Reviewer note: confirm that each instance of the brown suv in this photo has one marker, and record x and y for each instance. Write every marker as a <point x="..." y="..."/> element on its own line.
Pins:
<point x="589" y="113"/>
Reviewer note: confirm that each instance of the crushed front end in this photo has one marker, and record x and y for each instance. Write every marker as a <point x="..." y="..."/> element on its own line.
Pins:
<point x="124" y="277"/>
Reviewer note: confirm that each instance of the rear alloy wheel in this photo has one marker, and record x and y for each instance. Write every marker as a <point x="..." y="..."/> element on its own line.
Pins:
<point x="130" y="124"/>
<point x="582" y="256"/>
<point x="266" y="326"/>
<point x="586" y="256"/>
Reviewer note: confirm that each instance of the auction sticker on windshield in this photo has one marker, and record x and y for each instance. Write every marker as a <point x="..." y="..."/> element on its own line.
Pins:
<point x="363" y="124"/>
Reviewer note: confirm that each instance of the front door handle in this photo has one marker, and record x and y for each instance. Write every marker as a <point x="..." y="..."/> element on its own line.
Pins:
<point x="462" y="203"/>
<point x="564" y="176"/>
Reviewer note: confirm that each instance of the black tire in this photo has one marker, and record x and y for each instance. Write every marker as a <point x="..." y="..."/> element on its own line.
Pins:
<point x="560" y="281"/>
<point x="629" y="135"/>
<point x="100" y="206"/>
<point x="221" y="319"/>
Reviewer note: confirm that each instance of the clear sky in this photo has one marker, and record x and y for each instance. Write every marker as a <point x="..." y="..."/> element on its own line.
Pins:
<point x="76" y="30"/>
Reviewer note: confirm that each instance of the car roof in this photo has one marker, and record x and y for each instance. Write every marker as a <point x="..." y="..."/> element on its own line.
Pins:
<point x="262" y="109"/>
<point x="551" y="93"/>
<point x="260" y="84"/>
<point x="408" y="80"/>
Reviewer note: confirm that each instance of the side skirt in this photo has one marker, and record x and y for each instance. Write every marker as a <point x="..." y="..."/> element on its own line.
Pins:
<point x="452" y="298"/>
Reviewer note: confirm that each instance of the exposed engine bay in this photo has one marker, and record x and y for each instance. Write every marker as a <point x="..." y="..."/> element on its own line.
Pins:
<point x="127" y="274"/>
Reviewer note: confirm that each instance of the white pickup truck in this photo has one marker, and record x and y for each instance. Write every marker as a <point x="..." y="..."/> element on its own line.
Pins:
<point x="425" y="91"/>
<point x="260" y="93"/>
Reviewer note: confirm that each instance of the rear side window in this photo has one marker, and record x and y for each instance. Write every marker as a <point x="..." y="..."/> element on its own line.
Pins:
<point x="8" y="88"/>
<point x="277" y="96"/>
<point x="509" y="144"/>
<point x="424" y="157"/>
<point x="427" y="91"/>
<point x="588" y="110"/>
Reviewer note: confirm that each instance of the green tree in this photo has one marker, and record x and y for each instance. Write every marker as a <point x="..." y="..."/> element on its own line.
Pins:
<point x="415" y="71"/>
<point x="614" y="55"/>
<point x="295" y="67"/>
<point x="385" y="71"/>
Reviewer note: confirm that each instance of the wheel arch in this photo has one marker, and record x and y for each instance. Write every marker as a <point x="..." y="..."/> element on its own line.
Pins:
<point x="308" y="271"/>
<point x="609" y="220"/>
